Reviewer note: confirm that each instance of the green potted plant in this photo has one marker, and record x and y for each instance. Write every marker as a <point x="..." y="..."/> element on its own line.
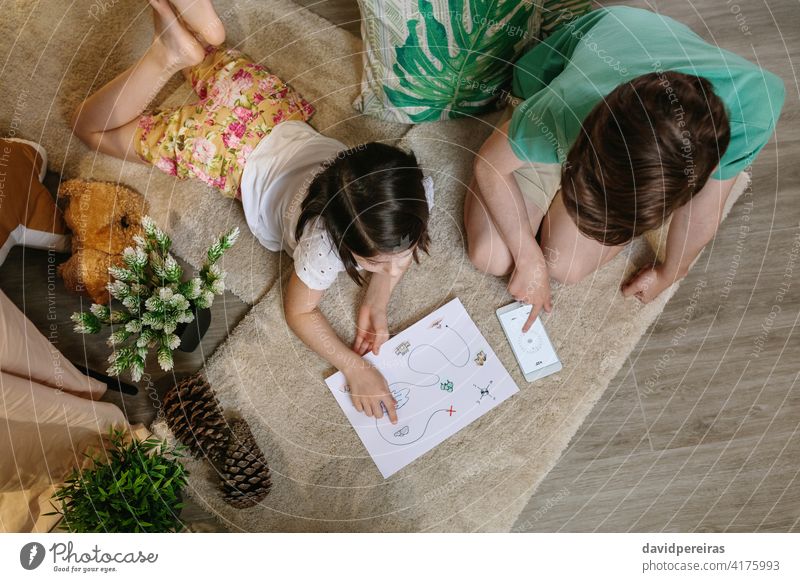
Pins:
<point x="157" y="303"/>
<point x="137" y="486"/>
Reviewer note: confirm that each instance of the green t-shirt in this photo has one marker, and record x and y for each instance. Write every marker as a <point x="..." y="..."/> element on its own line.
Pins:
<point x="563" y="78"/>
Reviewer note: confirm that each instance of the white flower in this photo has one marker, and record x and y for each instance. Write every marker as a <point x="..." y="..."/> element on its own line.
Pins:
<point x="100" y="311"/>
<point x="165" y="293"/>
<point x="173" y="341"/>
<point x="185" y="317"/>
<point x="134" y="258"/>
<point x="165" y="360"/>
<point x="148" y="224"/>
<point x="120" y="273"/>
<point x="144" y="341"/>
<point x="180" y="302"/>
<point x="133" y="326"/>
<point x="205" y="300"/>
<point x="116" y="316"/>
<point x="118" y="289"/>
<point x="80" y="327"/>
<point x="118" y="337"/>
<point x="170" y="263"/>
<point x="153" y="303"/>
<point x="152" y="321"/>
<point x="137" y="369"/>
<point x="131" y="302"/>
<point x="193" y="288"/>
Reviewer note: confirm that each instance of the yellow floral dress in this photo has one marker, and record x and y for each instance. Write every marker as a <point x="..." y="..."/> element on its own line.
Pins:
<point x="240" y="103"/>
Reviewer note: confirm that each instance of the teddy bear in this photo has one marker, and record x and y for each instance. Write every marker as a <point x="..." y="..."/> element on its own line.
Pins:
<point x="104" y="217"/>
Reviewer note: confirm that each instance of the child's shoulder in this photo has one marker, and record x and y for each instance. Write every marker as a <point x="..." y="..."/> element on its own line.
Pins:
<point x="316" y="261"/>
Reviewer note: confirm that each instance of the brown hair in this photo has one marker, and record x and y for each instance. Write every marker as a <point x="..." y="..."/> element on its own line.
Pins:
<point x="642" y="153"/>
<point x="371" y="200"/>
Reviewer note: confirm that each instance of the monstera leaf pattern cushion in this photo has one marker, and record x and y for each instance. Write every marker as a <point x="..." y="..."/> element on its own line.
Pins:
<point x="428" y="60"/>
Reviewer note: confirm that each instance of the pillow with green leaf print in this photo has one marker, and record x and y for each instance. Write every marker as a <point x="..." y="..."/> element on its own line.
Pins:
<point x="428" y="60"/>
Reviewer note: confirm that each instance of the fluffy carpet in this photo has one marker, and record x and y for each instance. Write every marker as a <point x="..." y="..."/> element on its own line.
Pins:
<point x="480" y="479"/>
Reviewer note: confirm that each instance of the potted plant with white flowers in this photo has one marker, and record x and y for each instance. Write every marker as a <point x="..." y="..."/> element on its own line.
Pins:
<point x="157" y="304"/>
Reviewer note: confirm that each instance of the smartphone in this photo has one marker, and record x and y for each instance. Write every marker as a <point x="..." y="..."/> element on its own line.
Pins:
<point x="533" y="349"/>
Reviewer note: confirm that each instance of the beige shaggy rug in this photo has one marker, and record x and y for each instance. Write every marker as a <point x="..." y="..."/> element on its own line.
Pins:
<point x="481" y="478"/>
<point x="54" y="53"/>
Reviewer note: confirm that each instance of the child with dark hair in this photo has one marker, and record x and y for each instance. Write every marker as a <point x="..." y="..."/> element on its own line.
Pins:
<point x="333" y="209"/>
<point x="627" y="118"/>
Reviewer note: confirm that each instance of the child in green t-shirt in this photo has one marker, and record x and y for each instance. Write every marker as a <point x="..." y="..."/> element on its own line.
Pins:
<point x="646" y="121"/>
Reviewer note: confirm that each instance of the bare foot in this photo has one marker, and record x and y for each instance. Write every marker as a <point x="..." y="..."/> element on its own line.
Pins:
<point x="176" y="47"/>
<point x="201" y="18"/>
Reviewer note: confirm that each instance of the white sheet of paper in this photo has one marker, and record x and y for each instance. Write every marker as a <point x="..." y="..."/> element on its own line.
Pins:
<point x="443" y="374"/>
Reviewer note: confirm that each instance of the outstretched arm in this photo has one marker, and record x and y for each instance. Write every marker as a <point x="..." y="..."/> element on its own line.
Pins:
<point x="368" y="388"/>
<point x="693" y="226"/>
<point x="494" y="173"/>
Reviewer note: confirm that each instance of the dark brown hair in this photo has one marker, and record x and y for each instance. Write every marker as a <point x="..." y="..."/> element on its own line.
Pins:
<point x="371" y="200"/>
<point x="642" y="153"/>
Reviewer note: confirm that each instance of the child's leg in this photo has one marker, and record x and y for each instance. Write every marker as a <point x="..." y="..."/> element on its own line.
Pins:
<point x="486" y="248"/>
<point x="202" y="19"/>
<point x="107" y="120"/>
<point x="210" y="140"/>
<point x="570" y="255"/>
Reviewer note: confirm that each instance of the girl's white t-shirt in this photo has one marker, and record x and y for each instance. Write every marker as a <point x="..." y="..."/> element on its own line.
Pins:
<point x="274" y="184"/>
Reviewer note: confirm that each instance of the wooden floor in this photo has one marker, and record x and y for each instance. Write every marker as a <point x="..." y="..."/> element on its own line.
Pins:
<point x="699" y="431"/>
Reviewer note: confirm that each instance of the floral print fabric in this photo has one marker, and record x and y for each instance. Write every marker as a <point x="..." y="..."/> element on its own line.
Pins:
<point x="240" y="103"/>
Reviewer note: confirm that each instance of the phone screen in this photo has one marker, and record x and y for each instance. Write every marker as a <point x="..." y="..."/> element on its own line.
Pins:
<point x="533" y="349"/>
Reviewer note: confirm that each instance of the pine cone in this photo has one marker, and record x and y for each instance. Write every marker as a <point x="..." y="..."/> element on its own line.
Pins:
<point x="244" y="471"/>
<point x="194" y="415"/>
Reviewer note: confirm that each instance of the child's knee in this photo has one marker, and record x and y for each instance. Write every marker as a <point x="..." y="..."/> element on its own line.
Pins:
<point x="488" y="258"/>
<point x="79" y="127"/>
<point x="475" y="253"/>
<point x="568" y="276"/>
<point x="75" y="120"/>
<point x="566" y="270"/>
